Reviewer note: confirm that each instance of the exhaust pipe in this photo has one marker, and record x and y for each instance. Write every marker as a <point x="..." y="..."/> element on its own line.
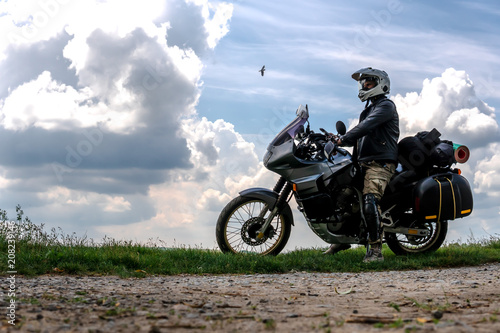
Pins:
<point x="462" y="153"/>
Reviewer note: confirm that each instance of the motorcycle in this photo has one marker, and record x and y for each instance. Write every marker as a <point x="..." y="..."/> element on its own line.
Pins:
<point x="326" y="181"/>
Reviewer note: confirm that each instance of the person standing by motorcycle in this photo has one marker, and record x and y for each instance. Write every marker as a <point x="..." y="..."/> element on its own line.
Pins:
<point x="375" y="141"/>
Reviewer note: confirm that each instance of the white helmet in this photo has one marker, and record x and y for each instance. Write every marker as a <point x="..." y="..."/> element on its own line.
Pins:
<point x="381" y="79"/>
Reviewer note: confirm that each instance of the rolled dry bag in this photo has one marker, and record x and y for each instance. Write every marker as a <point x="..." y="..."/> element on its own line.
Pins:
<point x="461" y="153"/>
<point x="442" y="154"/>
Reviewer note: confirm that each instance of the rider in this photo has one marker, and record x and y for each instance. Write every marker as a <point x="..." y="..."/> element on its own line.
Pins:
<point x="375" y="148"/>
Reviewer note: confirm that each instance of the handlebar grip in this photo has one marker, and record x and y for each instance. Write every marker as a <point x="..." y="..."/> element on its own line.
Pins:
<point x="342" y="151"/>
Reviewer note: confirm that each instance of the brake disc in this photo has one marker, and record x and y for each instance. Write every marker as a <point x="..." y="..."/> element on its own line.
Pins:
<point x="250" y="230"/>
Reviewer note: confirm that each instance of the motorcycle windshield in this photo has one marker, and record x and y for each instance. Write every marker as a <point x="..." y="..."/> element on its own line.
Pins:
<point x="289" y="132"/>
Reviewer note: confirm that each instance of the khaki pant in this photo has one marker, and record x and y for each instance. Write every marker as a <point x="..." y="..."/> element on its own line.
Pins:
<point x="377" y="176"/>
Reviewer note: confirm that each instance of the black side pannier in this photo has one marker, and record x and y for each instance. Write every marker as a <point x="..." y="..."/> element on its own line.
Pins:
<point x="443" y="197"/>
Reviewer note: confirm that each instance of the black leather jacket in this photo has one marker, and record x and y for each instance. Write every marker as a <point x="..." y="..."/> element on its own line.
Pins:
<point x="377" y="133"/>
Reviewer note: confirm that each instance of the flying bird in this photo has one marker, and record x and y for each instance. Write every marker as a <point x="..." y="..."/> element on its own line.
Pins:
<point x="262" y="70"/>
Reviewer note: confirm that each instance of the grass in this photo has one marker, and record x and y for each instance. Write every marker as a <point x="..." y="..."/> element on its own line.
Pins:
<point x="40" y="252"/>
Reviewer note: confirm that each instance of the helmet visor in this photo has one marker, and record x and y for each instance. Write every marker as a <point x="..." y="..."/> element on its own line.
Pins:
<point x="367" y="83"/>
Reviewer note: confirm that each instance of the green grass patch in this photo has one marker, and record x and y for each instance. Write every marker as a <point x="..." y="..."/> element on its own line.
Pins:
<point x="40" y="252"/>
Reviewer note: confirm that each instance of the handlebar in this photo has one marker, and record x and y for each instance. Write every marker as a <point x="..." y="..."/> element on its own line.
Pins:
<point x="329" y="136"/>
<point x="314" y="145"/>
<point x="324" y="131"/>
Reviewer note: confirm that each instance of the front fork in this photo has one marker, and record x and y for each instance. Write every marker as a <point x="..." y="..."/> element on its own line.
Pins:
<point x="284" y="188"/>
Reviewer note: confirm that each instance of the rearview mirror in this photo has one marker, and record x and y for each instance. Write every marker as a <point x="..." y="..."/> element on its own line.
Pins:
<point x="341" y="129"/>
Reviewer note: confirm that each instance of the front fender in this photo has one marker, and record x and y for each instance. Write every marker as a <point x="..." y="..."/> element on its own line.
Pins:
<point x="270" y="198"/>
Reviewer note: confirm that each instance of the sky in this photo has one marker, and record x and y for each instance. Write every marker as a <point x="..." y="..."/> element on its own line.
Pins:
<point x="140" y="120"/>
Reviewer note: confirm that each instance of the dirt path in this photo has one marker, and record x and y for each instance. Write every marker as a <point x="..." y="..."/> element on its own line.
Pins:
<point x="451" y="300"/>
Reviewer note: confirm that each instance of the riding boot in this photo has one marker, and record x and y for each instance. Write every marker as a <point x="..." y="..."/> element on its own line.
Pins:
<point x="334" y="248"/>
<point x="374" y="253"/>
<point x="374" y="248"/>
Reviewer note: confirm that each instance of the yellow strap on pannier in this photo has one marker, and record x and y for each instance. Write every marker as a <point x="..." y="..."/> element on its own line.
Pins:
<point x="441" y="199"/>
<point x="454" y="202"/>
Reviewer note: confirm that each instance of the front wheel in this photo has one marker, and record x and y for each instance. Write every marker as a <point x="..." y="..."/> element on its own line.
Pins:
<point x="402" y="244"/>
<point x="238" y="225"/>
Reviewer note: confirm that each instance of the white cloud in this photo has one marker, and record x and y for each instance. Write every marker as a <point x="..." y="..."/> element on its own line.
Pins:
<point x="30" y="22"/>
<point x="218" y="150"/>
<point x="5" y="182"/>
<point x="486" y="179"/>
<point x="116" y="61"/>
<point x="471" y="123"/>
<point x="217" y="26"/>
<point x="448" y="103"/>
<point x="54" y="106"/>
<point x="64" y="197"/>
<point x="223" y="164"/>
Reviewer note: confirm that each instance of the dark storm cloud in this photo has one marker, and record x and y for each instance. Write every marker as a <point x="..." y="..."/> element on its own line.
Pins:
<point x="92" y="149"/>
<point x="23" y="63"/>
<point x="80" y="159"/>
<point x="162" y="91"/>
<point x="187" y="27"/>
<point x="75" y="217"/>
<point x="111" y="181"/>
<point x="208" y="149"/>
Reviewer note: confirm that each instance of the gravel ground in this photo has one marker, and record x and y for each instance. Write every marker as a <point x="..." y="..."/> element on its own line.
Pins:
<point x="446" y="300"/>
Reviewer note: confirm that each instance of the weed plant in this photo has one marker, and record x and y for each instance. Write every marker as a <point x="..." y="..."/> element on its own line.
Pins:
<point x="53" y="252"/>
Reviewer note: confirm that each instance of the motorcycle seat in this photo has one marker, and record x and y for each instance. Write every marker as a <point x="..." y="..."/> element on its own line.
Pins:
<point x="403" y="178"/>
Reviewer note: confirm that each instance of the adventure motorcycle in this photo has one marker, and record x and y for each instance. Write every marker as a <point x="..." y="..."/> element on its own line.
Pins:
<point x="423" y="195"/>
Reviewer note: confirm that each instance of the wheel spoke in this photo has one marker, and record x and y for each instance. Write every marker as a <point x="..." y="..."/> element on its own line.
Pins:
<point x="239" y="227"/>
<point x="416" y="244"/>
<point x="243" y="227"/>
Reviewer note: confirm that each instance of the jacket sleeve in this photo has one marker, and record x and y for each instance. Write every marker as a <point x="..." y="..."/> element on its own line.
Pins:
<point x="381" y="113"/>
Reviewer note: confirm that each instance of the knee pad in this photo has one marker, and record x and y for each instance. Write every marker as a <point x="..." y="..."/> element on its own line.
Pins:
<point x="372" y="218"/>
<point x="370" y="205"/>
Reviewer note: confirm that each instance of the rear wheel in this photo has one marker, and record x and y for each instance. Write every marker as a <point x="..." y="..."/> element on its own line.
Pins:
<point x="402" y="244"/>
<point x="238" y="225"/>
